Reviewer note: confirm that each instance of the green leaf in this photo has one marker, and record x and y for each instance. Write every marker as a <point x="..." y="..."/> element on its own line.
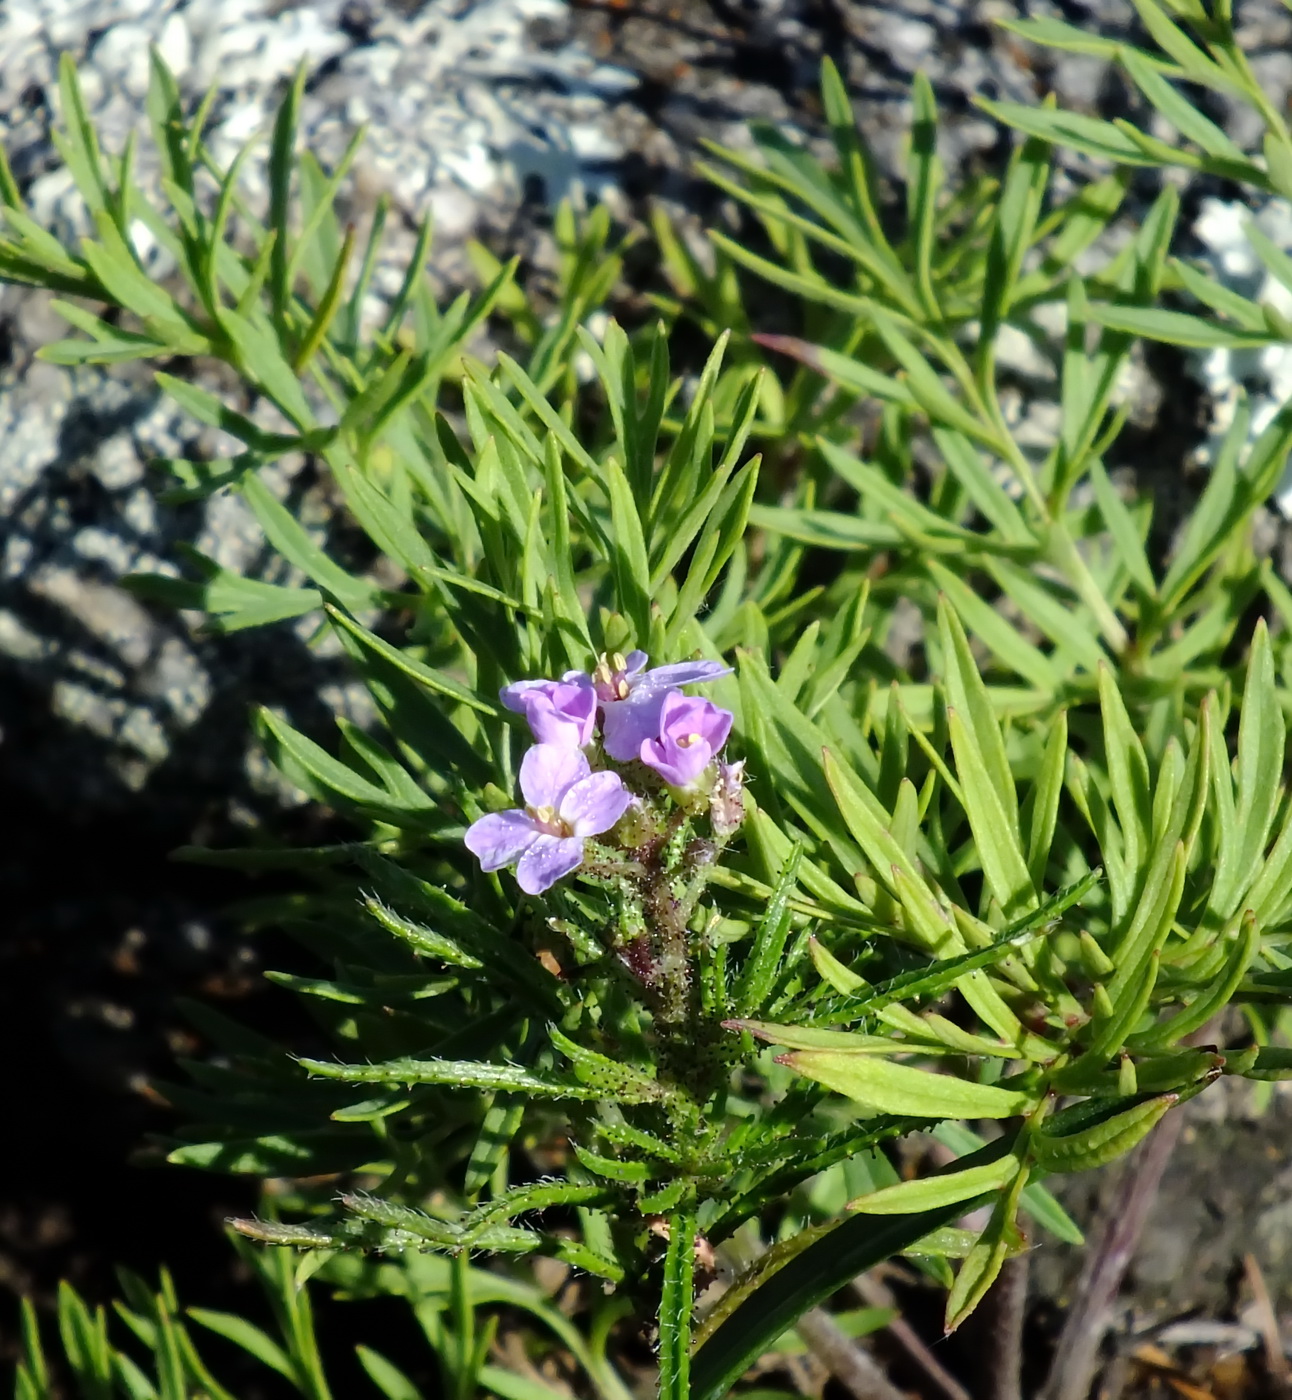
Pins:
<point x="1035" y="1201"/>
<point x="468" y="1074"/>
<point x="306" y="1152"/>
<point x="249" y="1338"/>
<point x="966" y="693"/>
<point x="987" y="623"/>
<point x="1137" y="969"/>
<point x="704" y="504"/>
<point x="991" y="803"/>
<point x="810" y="287"/>
<point x="260" y="358"/>
<point x="386" y="1376"/>
<point x="1213" y="293"/>
<point x="206" y="408"/>
<point x="114" y="264"/>
<point x="842" y="979"/>
<point x="81" y="148"/>
<point x="1070" y="129"/>
<point x="1172" y="40"/>
<point x="1064" y="621"/>
<point x="1122" y="528"/>
<point x="983" y="489"/>
<point x="870" y="826"/>
<point x="418" y="671"/>
<point x="510" y="1386"/>
<point x="290" y="539"/>
<point x="819" y="1265"/>
<point x="33" y="1350"/>
<point x="946" y="1188"/>
<point x="887" y="1087"/>
<point x="1127" y="774"/>
<point x="85" y="1344"/>
<point x="329" y="779"/>
<point x="875" y="488"/>
<point x="232" y="602"/>
<point x="1176" y="327"/>
<point x="1272" y="1064"/>
<point x="1058" y="34"/>
<point x="923" y="183"/>
<point x="1012" y="235"/>
<point x="768" y="943"/>
<point x="1261" y="740"/>
<point x="1183" y="115"/>
<point x="928" y="983"/>
<point x="329" y="305"/>
<point x="1211" y="999"/>
<point x="849" y="374"/>
<point x="612" y="1077"/>
<point x="925" y="384"/>
<point x="858" y="170"/>
<point x="1041" y="807"/>
<point x="104" y="350"/>
<point x="632" y="568"/>
<point x="983" y="1263"/>
<point x="1212" y="517"/>
<point x="281" y="162"/>
<point x="1113" y="1133"/>
<point x="826" y="529"/>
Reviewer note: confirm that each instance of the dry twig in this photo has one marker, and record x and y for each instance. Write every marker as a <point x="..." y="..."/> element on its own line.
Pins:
<point x="854" y="1368"/>
<point x="872" y="1291"/>
<point x="1114" y="1239"/>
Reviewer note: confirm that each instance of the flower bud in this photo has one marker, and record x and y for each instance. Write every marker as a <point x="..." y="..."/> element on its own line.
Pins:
<point x="727" y="799"/>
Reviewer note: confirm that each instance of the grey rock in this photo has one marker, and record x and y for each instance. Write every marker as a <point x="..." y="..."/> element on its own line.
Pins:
<point x="464" y="107"/>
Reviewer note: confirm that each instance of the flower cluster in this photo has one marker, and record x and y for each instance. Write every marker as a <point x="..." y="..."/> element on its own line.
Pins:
<point x="624" y="713"/>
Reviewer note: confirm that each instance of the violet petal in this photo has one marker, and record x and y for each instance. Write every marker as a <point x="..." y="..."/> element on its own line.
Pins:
<point x="546" y="861"/>
<point x="625" y="724"/>
<point x="499" y="838"/>
<point x="558" y="712"/>
<point x="567" y="714"/>
<point x="548" y="771"/>
<point x="516" y="695"/>
<point x="594" y="804"/>
<point x="682" y="673"/>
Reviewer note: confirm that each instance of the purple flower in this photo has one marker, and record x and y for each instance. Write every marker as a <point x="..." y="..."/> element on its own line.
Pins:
<point x="559" y="712"/>
<point x="632" y="697"/>
<point x="565" y="802"/>
<point x="691" y="731"/>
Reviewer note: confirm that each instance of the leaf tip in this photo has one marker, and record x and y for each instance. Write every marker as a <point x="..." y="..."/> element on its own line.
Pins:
<point x="791" y="346"/>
